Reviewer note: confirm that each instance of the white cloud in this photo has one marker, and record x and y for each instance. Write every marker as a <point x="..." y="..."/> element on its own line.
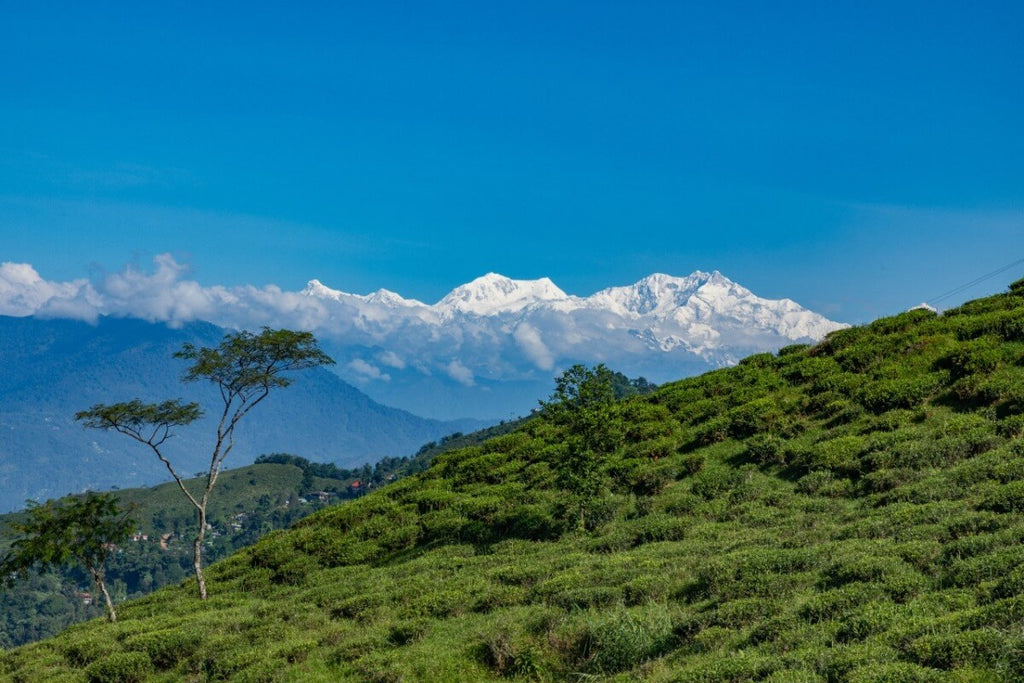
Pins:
<point x="528" y="338"/>
<point x="419" y="340"/>
<point x="392" y="360"/>
<point x="367" y="370"/>
<point x="460" y="373"/>
<point x="24" y="292"/>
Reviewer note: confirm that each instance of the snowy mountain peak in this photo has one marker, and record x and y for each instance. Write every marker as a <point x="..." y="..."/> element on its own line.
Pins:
<point x="386" y="297"/>
<point x="492" y="332"/>
<point x="318" y="289"/>
<point x="657" y="292"/>
<point x="383" y="297"/>
<point x="492" y="293"/>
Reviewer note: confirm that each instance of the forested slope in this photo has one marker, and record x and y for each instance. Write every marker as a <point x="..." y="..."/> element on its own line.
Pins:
<point x="852" y="511"/>
<point x="249" y="502"/>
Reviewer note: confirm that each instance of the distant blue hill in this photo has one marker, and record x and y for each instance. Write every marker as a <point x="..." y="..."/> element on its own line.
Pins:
<point x="50" y="369"/>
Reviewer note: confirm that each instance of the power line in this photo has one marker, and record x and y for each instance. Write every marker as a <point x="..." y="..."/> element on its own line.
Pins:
<point x="972" y="283"/>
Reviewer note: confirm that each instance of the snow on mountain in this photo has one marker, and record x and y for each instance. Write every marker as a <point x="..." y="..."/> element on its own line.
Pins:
<point x="497" y="328"/>
<point x="464" y="354"/>
<point x="384" y="297"/>
<point x="653" y="294"/>
<point x="691" y="306"/>
<point x="493" y="294"/>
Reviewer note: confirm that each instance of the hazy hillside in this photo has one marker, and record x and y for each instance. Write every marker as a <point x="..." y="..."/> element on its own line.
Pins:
<point x="852" y="511"/>
<point x="54" y="368"/>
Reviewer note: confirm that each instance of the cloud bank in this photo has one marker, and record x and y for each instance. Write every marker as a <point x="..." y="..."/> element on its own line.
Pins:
<point x="493" y="328"/>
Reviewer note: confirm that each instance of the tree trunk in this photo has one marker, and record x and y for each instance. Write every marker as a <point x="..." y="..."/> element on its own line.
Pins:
<point x="101" y="584"/>
<point x="197" y="554"/>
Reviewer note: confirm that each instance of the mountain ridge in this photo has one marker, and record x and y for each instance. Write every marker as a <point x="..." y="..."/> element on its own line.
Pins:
<point x="493" y="293"/>
<point x="487" y="349"/>
<point x="467" y="349"/>
<point x="55" y="368"/>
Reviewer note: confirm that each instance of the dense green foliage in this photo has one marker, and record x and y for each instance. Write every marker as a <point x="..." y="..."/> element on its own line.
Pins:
<point x="254" y="500"/>
<point x="851" y="511"/>
<point x="82" y="531"/>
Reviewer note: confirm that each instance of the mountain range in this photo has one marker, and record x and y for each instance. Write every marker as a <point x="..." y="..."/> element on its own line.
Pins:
<point x="52" y="369"/>
<point x="447" y="358"/>
<point x="488" y="349"/>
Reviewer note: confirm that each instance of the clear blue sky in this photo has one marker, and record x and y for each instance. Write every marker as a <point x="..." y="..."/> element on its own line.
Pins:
<point x="858" y="157"/>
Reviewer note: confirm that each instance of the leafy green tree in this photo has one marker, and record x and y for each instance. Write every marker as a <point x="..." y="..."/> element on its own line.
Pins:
<point x="580" y="388"/>
<point x="623" y="386"/>
<point x="584" y="404"/>
<point x="80" y="530"/>
<point x="245" y="367"/>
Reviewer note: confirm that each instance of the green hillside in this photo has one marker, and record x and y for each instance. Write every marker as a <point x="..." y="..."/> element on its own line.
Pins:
<point x="248" y="503"/>
<point x="852" y="511"/>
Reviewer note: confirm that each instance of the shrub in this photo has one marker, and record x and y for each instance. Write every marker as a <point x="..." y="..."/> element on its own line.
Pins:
<point x="971" y="358"/>
<point x="888" y="479"/>
<point x="1010" y="585"/>
<point x="810" y="369"/>
<point x="955" y="650"/>
<point x="296" y="652"/>
<point x="985" y="566"/>
<point x="641" y="476"/>
<point x="443" y="525"/>
<point x="863" y="568"/>
<point x="766" y="449"/>
<point x="711" y="483"/>
<point x="624" y="638"/>
<point x="883" y="395"/>
<point x="837" y="602"/>
<point x="761" y="415"/>
<point x="792" y="349"/>
<point x="823" y="483"/>
<point x="166" y="648"/>
<point x="659" y="527"/>
<point x="712" y="431"/>
<point x="511" y="656"/>
<point x="1011" y="427"/>
<point x="772" y="629"/>
<point x="838" y="455"/>
<point x="1003" y="386"/>
<point x="892" y="672"/>
<point x="1006" y="498"/>
<point x="120" y="667"/>
<point x="224" y="657"/>
<point x="408" y="631"/>
<point x="691" y="464"/>
<point x="82" y="652"/>
<point x="875" y="617"/>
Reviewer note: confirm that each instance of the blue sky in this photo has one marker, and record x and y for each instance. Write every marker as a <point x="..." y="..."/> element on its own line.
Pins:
<point x="856" y="157"/>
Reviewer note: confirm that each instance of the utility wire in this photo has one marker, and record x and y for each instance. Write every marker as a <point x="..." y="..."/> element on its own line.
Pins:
<point x="972" y="283"/>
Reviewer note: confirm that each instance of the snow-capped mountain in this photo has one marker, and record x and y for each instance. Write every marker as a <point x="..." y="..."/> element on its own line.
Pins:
<point x="489" y="348"/>
<point x="495" y="294"/>
<point x="496" y="330"/>
<point x="658" y="297"/>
